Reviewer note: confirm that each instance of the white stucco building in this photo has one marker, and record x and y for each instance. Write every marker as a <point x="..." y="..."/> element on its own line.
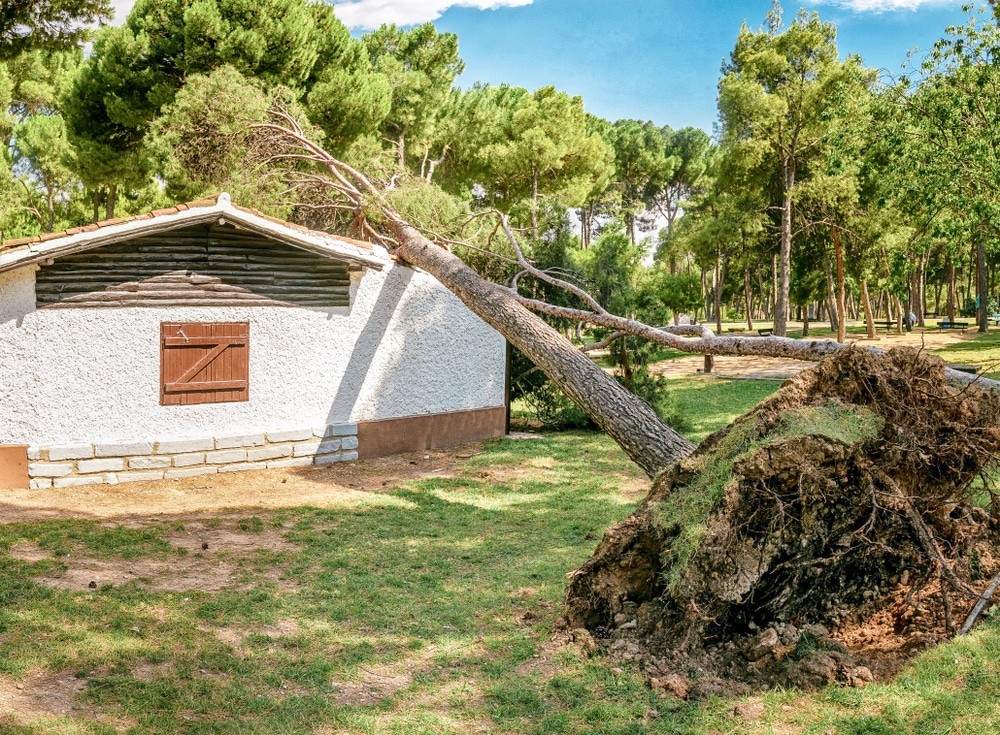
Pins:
<point x="209" y="338"/>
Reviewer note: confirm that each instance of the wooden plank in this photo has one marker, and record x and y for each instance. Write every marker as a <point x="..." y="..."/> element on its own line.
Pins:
<point x="185" y="341"/>
<point x="187" y="387"/>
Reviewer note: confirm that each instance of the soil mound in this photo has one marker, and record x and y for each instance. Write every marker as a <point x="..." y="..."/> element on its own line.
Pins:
<point x="828" y="535"/>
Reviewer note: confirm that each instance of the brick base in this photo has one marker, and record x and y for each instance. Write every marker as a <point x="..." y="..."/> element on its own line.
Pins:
<point x="73" y="465"/>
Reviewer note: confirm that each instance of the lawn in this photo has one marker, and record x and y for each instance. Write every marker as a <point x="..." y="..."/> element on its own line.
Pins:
<point x="411" y="607"/>
<point x="983" y="350"/>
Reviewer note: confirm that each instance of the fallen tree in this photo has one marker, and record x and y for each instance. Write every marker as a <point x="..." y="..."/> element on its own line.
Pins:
<point x="647" y="440"/>
<point x="849" y="493"/>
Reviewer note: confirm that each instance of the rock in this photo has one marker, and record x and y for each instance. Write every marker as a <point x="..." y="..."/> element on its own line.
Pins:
<point x="814" y="671"/>
<point x="675" y="685"/>
<point x="763" y="645"/>
<point x="859" y="676"/>
<point x="583" y="638"/>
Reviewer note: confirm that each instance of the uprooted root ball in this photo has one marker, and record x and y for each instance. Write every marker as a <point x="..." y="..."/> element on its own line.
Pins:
<point x="830" y="533"/>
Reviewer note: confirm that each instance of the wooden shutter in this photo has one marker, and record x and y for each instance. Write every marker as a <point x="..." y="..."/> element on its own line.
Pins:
<point x="204" y="362"/>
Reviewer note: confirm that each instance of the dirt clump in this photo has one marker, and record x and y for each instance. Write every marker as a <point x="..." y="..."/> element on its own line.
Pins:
<point x="827" y="536"/>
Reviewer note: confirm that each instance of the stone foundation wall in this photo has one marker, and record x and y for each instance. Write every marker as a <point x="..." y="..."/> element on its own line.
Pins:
<point x="72" y="465"/>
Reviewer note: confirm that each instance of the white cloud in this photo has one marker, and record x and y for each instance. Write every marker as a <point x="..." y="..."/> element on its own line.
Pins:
<point x="882" y="6"/>
<point x="368" y="14"/>
<point x="121" y="8"/>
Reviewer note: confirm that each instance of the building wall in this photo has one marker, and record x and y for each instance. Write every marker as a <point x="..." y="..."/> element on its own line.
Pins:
<point x="405" y="347"/>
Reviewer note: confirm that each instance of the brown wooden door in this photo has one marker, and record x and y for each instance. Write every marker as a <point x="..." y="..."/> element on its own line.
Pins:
<point x="204" y="362"/>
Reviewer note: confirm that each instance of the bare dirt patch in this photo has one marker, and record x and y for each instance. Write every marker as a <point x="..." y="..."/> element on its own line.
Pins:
<point x="348" y="484"/>
<point x="208" y="559"/>
<point x="40" y="695"/>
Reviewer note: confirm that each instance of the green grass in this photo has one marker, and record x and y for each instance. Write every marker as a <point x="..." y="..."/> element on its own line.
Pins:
<point x="983" y="350"/>
<point x="441" y="603"/>
<point x="709" y="404"/>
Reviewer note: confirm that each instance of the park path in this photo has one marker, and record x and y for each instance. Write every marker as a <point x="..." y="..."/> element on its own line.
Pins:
<point x="776" y="368"/>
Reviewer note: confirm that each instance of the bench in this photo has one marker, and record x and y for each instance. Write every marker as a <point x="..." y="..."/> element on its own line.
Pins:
<point x="953" y="325"/>
<point x="970" y="369"/>
<point x="885" y="323"/>
<point x="765" y="332"/>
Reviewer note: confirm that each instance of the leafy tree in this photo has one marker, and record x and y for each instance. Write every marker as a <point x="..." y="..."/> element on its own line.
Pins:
<point x="51" y="24"/>
<point x="690" y="151"/>
<point x="954" y="116"/>
<point x="639" y="163"/>
<point x="543" y="148"/>
<point x="776" y="92"/>
<point x="137" y="69"/>
<point x="420" y="65"/>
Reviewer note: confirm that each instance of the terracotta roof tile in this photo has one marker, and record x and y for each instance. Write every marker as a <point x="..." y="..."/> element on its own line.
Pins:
<point x="210" y="201"/>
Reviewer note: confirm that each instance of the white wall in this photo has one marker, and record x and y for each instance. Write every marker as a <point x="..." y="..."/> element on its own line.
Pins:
<point x="406" y="346"/>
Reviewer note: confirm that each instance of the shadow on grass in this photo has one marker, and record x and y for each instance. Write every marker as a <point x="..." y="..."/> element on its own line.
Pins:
<point x="421" y="617"/>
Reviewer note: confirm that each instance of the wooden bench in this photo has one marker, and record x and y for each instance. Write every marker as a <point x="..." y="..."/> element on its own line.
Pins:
<point x="887" y="324"/>
<point x="765" y="332"/>
<point x="971" y="369"/>
<point x="953" y="325"/>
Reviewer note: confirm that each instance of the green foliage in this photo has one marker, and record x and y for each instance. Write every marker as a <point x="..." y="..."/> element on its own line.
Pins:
<point x="202" y="137"/>
<point x="49" y="24"/>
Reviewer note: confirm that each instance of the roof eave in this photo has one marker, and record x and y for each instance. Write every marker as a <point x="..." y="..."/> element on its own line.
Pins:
<point x="328" y="247"/>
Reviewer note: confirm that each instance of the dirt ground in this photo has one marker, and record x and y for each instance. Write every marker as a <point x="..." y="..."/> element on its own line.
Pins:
<point x="774" y="368"/>
<point x="348" y="484"/>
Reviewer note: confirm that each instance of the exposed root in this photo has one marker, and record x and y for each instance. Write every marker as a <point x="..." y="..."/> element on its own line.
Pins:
<point x="844" y="497"/>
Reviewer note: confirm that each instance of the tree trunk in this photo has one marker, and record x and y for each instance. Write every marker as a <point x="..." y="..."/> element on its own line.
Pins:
<point x="648" y="441"/>
<point x="831" y="297"/>
<point x="401" y="151"/>
<point x="785" y="259"/>
<point x="952" y="296"/>
<point x="841" y="288"/>
<point x="718" y="292"/>
<point x="922" y="289"/>
<point x="866" y="305"/>
<point x="112" y="200"/>
<point x="982" y="313"/>
<point x="746" y="296"/>
<point x="534" y="204"/>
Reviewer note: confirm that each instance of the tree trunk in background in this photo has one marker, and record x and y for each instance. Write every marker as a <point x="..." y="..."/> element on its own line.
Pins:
<point x="706" y="294"/>
<point x="534" y="204"/>
<point x="952" y="296"/>
<point x="746" y="297"/>
<point x="636" y="428"/>
<point x="831" y="297"/>
<point x="774" y="287"/>
<point x="718" y="291"/>
<point x="922" y="290"/>
<point x="866" y="306"/>
<point x="983" y="312"/>
<point x="841" y="288"/>
<point x="109" y="204"/>
<point x="785" y="264"/>
<point x="401" y="151"/>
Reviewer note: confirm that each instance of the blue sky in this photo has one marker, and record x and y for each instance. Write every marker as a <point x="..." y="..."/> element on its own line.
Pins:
<point x="653" y="60"/>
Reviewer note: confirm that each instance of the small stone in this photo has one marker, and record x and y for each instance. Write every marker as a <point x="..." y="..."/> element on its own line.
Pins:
<point x="204" y="545"/>
<point x="92" y="585"/>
